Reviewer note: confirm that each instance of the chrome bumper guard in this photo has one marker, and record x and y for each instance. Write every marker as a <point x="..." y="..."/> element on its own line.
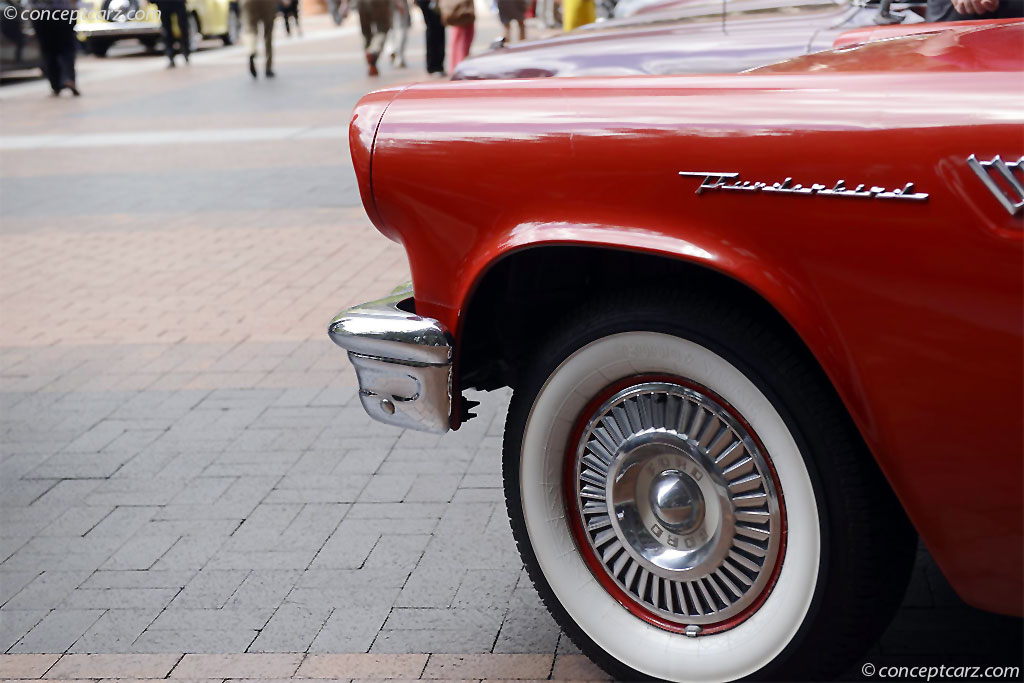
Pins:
<point x="403" y="362"/>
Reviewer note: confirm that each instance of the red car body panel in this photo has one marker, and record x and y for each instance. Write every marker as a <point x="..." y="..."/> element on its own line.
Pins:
<point x="870" y="34"/>
<point x="913" y="309"/>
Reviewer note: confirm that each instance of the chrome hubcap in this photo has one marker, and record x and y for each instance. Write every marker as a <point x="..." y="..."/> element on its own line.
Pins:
<point x="677" y="502"/>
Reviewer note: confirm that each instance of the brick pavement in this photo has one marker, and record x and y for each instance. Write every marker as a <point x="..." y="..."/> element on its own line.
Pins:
<point x="188" y="486"/>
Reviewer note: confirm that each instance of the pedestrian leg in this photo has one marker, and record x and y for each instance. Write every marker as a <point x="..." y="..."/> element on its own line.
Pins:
<point x="435" y="37"/>
<point x="66" y="56"/>
<point x="251" y="23"/>
<point x="462" y="39"/>
<point x="400" y="26"/>
<point x="269" y="14"/>
<point x="46" y="32"/>
<point x="168" y="10"/>
<point x="184" y="40"/>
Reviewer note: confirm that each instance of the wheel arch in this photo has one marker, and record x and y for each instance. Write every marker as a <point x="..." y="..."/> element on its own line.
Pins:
<point x="528" y="288"/>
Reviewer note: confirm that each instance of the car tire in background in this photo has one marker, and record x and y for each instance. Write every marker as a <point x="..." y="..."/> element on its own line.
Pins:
<point x="120" y="10"/>
<point x="151" y="43"/>
<point x="692" y="501"/>
<point x="234" y="25"/>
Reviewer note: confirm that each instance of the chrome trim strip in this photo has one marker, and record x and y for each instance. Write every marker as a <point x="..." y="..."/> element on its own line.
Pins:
<point x="403" y="362"/>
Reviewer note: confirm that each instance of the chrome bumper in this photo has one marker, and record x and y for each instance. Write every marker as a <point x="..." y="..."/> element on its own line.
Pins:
<point x="403" y="362"/>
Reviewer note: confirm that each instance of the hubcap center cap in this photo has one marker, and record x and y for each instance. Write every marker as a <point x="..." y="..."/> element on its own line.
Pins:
<point x="677" y="502"/>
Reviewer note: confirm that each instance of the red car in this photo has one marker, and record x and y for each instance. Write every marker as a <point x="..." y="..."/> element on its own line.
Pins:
<point x="761" y="330"/>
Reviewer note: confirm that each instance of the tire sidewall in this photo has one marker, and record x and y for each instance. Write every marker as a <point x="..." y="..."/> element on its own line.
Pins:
<point x="730" y="349"/>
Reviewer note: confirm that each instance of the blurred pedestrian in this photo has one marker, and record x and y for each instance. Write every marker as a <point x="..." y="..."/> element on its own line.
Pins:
<point x="961" y="10"/>
<point x="510" y="11"/>
<point x="460" y="15"/>
<point x="400" y="23"/>
<point x="257" y="13"/>
<point x="290" y="10"/>
<point x="172" y="11"/>
<point x="576" y="13"/>
<point x="338" y="10"/>
<point x="435" y="37"/>
<point x="546" y="12"/>
<point x="375" y="21"/>
<point x="55" y="30"/>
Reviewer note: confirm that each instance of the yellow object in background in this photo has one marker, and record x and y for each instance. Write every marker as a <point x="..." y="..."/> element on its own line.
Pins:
<point x="576" y="13"/>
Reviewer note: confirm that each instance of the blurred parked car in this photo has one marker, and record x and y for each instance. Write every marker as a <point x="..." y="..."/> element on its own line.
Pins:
<point x="747" y="35"/>
<point x="139" y="19"/>
<point x="751" y="323"/>
<point x="19" y="47"/>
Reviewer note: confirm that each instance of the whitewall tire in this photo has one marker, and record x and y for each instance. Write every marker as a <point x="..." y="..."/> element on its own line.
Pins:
<point x="638" y="542"/>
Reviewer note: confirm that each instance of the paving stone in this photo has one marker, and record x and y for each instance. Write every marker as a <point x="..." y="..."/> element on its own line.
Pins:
<point x="119" y="598"/>
<point x="26" y="666"/>
<point x="115" y="631"/>
<point x="433" y="488"/>
<point x="489" y="666"/>
<point x="237" y="666"/>
<point x="210" y="588"/>
<point x="431" y="585"/>
<point x="350" y="629"/>
<point x="47" y="590"/>
<point x="401" y="642"/>
<point x="575" y="667"/>
<point x="77" y="521"/>
<point x="113" y="666"/>
<point x="141" y="552"/>
<point x="235" y="639"/>
<point x="211" y="619"/>
<point x="263" y="588"/>
<point x="527" y="631"/>
<point x="57" y="631"/>
<point x="11" y="583"/>
<point x="122" y="522"/>
<point x="345" y="550"/>
<point x="14" y="624"/>
<point x="292" y="628"/>
<point x="486" y="588"/>
<point x="190" y="552"/>
<point x="363" y="666"/>
<point x="387" y="488"/>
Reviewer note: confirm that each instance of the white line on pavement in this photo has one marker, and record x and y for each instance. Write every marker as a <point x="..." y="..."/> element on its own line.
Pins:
<point x="171" y="137"/>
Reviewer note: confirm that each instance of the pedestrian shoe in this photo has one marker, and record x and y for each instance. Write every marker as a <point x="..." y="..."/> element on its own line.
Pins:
<point x="371" y="62"/>
<point x="401" y="63"/>
<point x="252" y="66"/>
<point x="186" y="57"/>
<point x="270" y="73"/>
<point x="70" y="85"/>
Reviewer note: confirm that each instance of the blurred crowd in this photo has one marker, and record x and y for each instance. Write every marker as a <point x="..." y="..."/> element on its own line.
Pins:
<point x="385" y="26"/>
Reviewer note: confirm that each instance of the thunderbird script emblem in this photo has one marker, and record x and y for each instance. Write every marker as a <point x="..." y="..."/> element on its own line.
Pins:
<point x="1011" y="192"/>
<point x="730" y="182"/>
